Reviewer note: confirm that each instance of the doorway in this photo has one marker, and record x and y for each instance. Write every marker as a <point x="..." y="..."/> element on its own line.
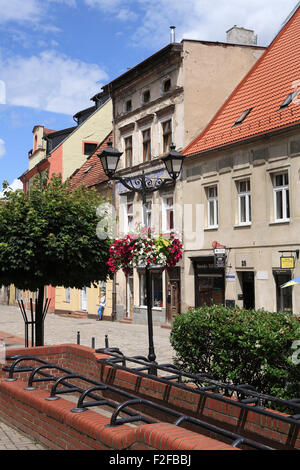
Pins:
<point x="173" y="294"/>
<point x="248" y="289"/>
<point x="284" y="297"/>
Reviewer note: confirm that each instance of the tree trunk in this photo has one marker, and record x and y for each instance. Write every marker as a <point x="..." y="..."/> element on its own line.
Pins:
<point x="39" y="321"/>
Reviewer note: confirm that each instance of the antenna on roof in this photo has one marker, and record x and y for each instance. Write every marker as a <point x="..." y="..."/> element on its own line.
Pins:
<point x="172" y="34"/>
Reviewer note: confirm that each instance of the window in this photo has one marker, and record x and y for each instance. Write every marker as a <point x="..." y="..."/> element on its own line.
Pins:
<point x="129" y="215"/>
<point x="281" y="197"/>
<point x="157" y="290"/>
<point x="128" y="151"/>
<point x="167" y="135"/>
<point x="147" y="210"/>
<point x="68" y="294"/>
<point x="168" y="214"/>
<point x="289" y="99"/>
<point x="146" y="96"/>
<point x="89" y="149"/>
<point x="212" y="207"/>
<point x="147" y="145"/>
<point x="244" y="202"/>
<point x="242" y="117"/>
<point x="128" y="106"/>
<point x="167" y="85"/>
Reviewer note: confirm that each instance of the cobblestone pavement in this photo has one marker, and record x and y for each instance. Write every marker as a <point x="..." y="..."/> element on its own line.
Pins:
<point x="131" y="339"/>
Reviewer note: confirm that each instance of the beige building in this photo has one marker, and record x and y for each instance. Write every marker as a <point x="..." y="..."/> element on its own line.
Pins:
<point x="241" y="179"/>
<point x="166" y="99"/>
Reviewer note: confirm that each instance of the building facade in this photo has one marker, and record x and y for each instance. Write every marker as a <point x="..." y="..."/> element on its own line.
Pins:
<point x="166" y="99"/>
<point x="241" y="178"/>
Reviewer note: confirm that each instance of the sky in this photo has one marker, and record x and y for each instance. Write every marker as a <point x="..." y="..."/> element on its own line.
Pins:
<point x="56" y="54"/>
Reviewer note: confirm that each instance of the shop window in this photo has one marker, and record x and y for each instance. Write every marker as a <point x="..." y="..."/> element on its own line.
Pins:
<point x="157" y="290"/>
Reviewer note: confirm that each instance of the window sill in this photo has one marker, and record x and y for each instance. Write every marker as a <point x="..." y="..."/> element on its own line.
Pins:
<point x="243" y="225"/>
<point x="280" y="222"/>
<point x="207" y="229"/>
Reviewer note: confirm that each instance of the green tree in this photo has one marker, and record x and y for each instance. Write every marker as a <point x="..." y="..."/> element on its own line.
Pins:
<point x="48" y="237"/>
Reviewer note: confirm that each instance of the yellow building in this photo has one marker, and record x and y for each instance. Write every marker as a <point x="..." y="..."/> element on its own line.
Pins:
<point x="65" y="152"/>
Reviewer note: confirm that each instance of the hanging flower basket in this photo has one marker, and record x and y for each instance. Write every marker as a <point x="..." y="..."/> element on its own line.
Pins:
<point x="143" y="248"/>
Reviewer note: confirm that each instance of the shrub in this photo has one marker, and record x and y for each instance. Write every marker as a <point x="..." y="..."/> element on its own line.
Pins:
<point x="239" y="346"/>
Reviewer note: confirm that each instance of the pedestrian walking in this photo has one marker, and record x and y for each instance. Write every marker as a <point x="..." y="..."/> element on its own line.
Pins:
<point x="101" y="306"/>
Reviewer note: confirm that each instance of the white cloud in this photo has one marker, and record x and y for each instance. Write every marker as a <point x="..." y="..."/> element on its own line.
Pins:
<point x="30" y="11"/>
<point x="194" y="19"/>
<point x="16" y="184"/>
<point x="2" y="148"/>
<point x="51" y="81"/>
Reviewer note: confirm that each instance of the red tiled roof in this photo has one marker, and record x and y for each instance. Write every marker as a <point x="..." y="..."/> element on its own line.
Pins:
<point x="48" y="131"/>
<point x="91" y="172"/>
<point x="274" y="76"/>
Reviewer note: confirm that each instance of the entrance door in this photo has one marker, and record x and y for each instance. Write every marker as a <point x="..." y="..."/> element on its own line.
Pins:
<point x="84" y="299"/>
<point x="173" y="300"/>
<point x="248" y="290"/>
<point x="284" y="296"/>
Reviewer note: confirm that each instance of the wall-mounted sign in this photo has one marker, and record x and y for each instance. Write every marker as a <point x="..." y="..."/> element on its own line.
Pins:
<point x="262" y="275"/>
<point x="230" y="276"/>
<point x="220" y="257"/>
<point x="287" y="262"/>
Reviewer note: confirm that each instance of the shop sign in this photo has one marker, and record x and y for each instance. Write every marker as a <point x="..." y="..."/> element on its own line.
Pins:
<point x="287" y="262"/>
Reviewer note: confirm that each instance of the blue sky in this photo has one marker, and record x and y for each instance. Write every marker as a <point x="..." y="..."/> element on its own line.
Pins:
<point x="56" y="54"/>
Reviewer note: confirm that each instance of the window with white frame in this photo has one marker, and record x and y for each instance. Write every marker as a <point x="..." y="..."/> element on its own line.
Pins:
<point x="167" y="214"/>
<point x="129" y="214"/>
<point x="281" y="196"/>
<point x="157" y="290"/>
<point x="212" y="206"/>
<point x="147" y="212"/>
<point x="68" y="294"/>
<point x="244" y="202"/>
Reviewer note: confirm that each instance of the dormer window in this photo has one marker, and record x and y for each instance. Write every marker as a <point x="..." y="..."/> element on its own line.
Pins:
<point x="242" y="116"/>
<point x="146" y="96"/>
<point x="289" y="99"/>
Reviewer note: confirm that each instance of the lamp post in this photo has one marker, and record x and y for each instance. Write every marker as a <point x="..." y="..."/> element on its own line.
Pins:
<point x="143" y="185"/>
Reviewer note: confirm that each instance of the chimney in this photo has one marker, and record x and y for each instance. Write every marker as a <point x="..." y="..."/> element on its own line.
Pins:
<point x="237" y="35"/>
<point x="172" y="34"/>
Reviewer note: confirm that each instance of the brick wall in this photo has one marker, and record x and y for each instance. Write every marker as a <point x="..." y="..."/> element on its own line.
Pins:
<point x="83" y="360"/>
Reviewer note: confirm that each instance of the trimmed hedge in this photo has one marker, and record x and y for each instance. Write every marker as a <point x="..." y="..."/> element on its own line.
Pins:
<point x="240" y="346"/>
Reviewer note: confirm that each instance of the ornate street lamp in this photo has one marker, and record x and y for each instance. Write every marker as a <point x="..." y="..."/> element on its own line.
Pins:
<point x="144" y="185"/>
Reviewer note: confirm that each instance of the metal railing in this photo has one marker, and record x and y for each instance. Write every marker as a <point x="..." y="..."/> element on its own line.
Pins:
<point x="246" y="395"/>
<point x="38" y="374"/>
